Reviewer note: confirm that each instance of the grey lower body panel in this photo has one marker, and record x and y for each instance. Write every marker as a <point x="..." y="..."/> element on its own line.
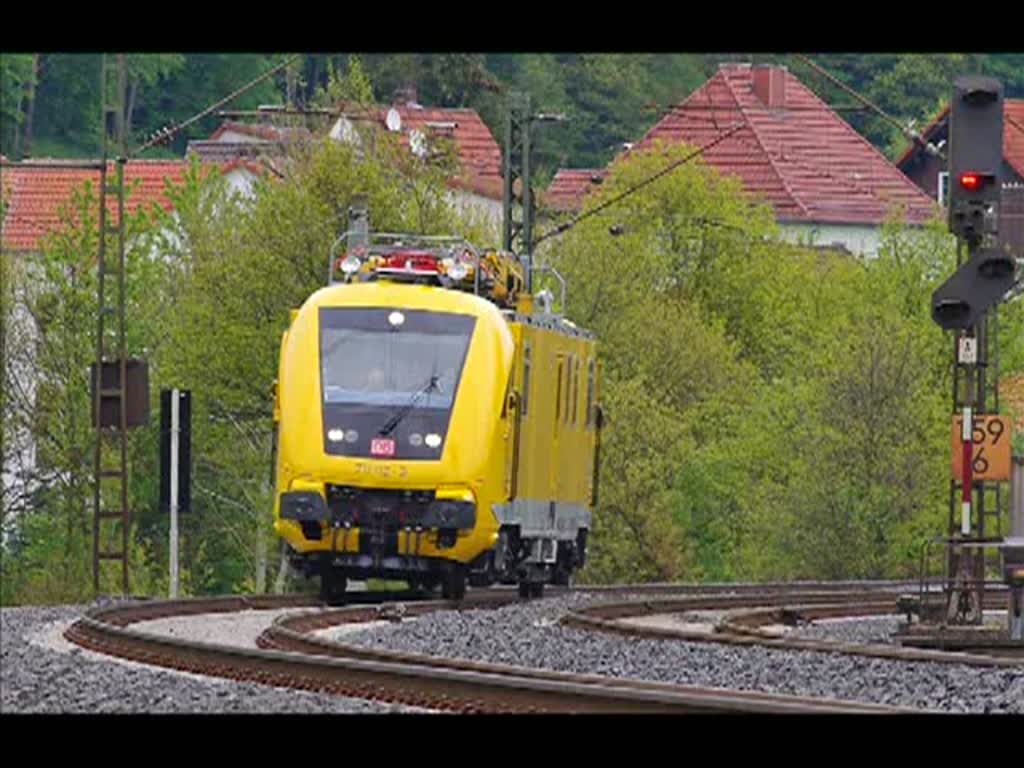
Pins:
<point x="544" y="519"/>
<point x="392" y="563"/>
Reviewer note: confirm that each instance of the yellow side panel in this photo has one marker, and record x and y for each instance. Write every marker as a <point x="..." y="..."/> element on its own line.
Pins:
<point x="556" y="450"/>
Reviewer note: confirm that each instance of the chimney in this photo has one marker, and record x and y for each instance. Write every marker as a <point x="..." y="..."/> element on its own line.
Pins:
<point x="770" y="85"/>
<point x="406" y="95"/>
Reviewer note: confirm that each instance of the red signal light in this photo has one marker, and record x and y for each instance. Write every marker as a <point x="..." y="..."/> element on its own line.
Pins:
<point x="971" y="181"/>
<point x="412" y="261"/>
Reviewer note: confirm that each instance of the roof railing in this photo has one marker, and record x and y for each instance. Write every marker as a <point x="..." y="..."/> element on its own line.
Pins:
<point x="448" y="261"/>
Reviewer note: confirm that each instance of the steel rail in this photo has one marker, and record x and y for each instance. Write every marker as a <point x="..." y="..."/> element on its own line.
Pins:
<point x="417" y="681"/>
<point x="743" y="622"/>
<point x="283" y="635"/>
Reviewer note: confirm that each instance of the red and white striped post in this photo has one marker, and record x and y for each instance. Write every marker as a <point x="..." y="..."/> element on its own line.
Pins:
<point x="966" y="433"/>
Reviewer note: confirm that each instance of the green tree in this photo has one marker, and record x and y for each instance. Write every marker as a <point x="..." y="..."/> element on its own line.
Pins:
<point x="17" y="80"/>
<point x="675" y="393"/>
<point x="47" y="403"/>
<point x="235" y="268"/>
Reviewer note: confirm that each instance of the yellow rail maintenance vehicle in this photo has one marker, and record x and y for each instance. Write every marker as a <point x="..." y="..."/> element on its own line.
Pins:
<point x="435" y="423"/>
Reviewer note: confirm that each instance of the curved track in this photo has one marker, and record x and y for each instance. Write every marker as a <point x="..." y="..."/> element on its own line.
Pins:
<point x="289" y="656"/>
<point x="754" y="620"/>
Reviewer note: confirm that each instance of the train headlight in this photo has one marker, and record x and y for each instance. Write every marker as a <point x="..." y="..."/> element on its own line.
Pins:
<point x="396" y="318"/>
<point x="432" y="440"/>
<point x="457" y="270"/>
<point x="350" y="264"/>
<point x="336" y="435"/>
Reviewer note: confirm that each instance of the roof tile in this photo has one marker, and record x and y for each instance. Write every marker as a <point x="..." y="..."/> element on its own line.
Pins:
<point x="37" y="193"/>
<point x="479" y="155"/>
<point x="803" y="159"/>
<point x="570" y="186"/>
<point x="1013" y="134"/>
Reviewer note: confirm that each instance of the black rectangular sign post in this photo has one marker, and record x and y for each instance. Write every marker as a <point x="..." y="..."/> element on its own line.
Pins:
<point x="175" y="464"/>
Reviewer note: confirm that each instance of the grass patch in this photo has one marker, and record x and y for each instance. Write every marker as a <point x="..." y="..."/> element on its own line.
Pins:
<point x="383" y="585"/>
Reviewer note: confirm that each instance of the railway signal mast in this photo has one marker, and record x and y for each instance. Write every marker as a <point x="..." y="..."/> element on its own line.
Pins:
<point x="517" y="182"/>
<point x="962" y="304"/>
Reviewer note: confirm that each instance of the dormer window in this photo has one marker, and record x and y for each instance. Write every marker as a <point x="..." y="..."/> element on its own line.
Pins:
<point x="942" y="187"/>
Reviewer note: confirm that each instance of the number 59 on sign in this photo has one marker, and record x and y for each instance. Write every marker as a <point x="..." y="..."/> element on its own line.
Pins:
<point x="990" y="449"/>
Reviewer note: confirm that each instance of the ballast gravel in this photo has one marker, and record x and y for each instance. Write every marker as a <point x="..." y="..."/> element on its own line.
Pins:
<point x="40" y="672"/>
<point x="529" y="634"/>
<point x="874" y="630"/>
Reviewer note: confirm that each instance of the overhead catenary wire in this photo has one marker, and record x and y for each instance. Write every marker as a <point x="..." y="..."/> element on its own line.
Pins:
<point x="914" y="136"/>
<point x="167" y="132"/>
<point x="564" y="227"/>
<point x="669" y="108"/>
<point x="1014" y="123"/>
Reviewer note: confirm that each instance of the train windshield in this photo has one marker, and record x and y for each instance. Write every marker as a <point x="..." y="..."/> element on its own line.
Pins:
<point x="392" y="357"/>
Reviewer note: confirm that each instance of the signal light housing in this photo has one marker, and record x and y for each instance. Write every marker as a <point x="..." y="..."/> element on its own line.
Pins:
<point x="962" y="301"/>
<point x="975" y="156"/>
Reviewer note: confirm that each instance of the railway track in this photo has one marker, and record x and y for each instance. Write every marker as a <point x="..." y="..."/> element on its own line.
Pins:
<point x="290" y="656"/>
<point x="748" y="620"/>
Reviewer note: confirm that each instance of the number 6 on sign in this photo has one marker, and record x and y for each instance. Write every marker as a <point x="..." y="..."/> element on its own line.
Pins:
<point x="990" y="449"/>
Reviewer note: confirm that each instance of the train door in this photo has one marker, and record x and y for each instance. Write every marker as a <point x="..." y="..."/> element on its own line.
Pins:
<point x="516" y="405"/>
<point x="554" y="464"/>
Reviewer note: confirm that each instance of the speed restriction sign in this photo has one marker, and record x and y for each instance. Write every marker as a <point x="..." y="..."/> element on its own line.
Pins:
<point x="990" y="449"/>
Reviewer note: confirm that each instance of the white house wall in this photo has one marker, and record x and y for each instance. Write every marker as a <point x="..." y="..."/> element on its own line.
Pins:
<point x="19" y="448"/>
<point x="18" y="463"/>
<point x="237" y="137"/>
<point x="859" y="240"/>
<point x="241" y="181"/>
<point x="478" y="207"/>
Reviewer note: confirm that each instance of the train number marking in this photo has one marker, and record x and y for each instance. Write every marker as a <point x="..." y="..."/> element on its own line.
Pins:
<point x="990" y="450"/>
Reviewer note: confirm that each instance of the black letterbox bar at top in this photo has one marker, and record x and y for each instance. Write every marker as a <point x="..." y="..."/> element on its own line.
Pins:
<point x="137" y="373"/>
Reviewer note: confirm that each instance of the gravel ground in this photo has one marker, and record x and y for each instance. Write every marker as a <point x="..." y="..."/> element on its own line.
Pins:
<point x="40" y="672"/>
<point x="528" y="634"/>
<point x="871" y="629"/>
<point x="239" y="628"/>
<point x="875" y="630"/>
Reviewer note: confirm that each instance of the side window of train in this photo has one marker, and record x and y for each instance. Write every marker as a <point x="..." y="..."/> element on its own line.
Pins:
<point x="508" y="391"/>
<point x="568" y="388"/>
<point x="575" y="392"/>
<point x="558" y="391"/>
<point x="590" y="393"/>
<point x="526" y="377"/>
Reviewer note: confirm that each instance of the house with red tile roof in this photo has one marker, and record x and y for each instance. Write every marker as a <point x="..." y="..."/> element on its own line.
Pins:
<point x="35" y="191"/>
<point x="256" y="143"/>
<point x="567" y="189"/>
<point x="35" y="194"/>
<point x="825" y="182"/>
<point x="929" y="173"/>
<point x="478" y="182"/>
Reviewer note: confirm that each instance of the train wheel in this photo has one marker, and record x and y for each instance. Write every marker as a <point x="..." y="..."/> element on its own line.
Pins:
<point x="453" y="587"/>
<point x="332" y="586"/>
<point x="423" y="586"/>
<point x="537" y="589"/>
<point x="562" y="578"/>
<point x="524" y="589"/>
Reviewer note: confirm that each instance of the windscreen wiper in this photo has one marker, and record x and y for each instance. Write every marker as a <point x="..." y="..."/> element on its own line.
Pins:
<point x="404" y="410"/>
